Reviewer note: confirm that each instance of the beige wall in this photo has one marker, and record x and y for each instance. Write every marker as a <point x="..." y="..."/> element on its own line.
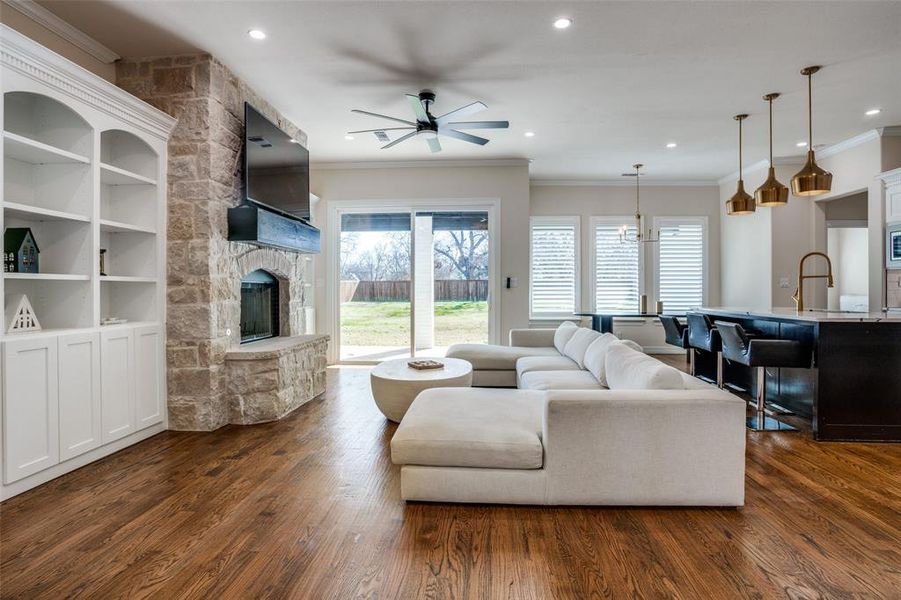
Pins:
<point x="508" y="184"/>
<point x="656" y="201"/>
<point x="849" y="208"/>
<point x="45" y="37"/>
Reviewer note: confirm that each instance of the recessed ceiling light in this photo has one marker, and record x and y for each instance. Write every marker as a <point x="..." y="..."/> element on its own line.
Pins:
<point x="257" y="34"/>
<point x="801" y="144"/>
<point x="529" y="134"/>
<point x="672" y="145"/>
<point x="348" y="137"/>
<point x="563" y="22"/>
<point x="873" y="111"/>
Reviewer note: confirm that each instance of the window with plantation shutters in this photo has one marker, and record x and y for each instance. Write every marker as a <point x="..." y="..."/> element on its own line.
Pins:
<point x="680" y="263"/>
<point x="616" y="267"/>
<point x="554" y="281"/>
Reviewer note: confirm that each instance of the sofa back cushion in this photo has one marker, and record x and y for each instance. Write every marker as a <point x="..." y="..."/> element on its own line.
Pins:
<point x="577" y="345"/>
<point x="596" y="355"/>
<point x="628" y="369"/>
<point x="563" y="334"/>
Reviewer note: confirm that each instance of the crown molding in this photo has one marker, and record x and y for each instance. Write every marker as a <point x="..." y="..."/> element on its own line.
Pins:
<point x="420" y="164"/>
<point x="71" y="34"/>
<point x="28" y="58"/>
<point x="851" y="142"/>
<point x="760" y="165"/>
<point x="622" y="182"/>
<point x="892" y="131"/>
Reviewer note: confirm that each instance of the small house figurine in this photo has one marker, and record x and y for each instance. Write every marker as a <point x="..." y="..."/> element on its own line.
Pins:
<point x="20" y="251"/>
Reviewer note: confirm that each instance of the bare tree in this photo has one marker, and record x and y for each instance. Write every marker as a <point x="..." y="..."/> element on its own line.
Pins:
<point x="464" y="254"/>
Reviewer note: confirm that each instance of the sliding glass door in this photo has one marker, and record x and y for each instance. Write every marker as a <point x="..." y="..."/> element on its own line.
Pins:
<point x="376" y="263"/>
<point x="412" y="283"/>
<point x="452" y="274"/>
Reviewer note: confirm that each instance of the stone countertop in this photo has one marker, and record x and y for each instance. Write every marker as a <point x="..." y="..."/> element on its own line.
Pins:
<point x="273" y="347"/>
<point x="806" y="316"/>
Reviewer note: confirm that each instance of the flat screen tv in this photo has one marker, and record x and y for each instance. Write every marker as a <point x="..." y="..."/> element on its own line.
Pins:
<point x="276" y="167"/>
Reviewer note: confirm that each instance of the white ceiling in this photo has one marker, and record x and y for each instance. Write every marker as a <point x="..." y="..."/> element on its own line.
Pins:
<point x="613" y="89"/>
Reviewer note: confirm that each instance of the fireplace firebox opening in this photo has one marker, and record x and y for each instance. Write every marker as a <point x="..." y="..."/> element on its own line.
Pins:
<point x="259" y="306"/>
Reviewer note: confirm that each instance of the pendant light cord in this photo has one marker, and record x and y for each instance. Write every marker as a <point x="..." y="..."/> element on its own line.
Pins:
<point x="810" y="111"/>
<point x="739" y="150"/>
<point x="771" y="132"/>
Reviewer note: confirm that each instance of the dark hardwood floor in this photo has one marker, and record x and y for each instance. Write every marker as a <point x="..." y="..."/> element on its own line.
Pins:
<point x="309" y="507"/>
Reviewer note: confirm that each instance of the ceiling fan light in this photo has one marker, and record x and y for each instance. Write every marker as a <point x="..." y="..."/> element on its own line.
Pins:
<point x="811" y="180"/>
<point x="741" y="202"/>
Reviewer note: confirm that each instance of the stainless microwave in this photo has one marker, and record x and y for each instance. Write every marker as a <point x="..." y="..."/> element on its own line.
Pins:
<point x="893" y="246"/>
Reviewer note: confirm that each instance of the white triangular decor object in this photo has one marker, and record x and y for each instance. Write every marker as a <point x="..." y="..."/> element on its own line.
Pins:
<point x="20" y="315"/>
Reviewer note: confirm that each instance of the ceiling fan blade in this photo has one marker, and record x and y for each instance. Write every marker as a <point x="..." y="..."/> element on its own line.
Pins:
<point x="463" y="111"/>
<point x="418" y="110"/>
<point x="372" y="114"/>
<point x="434" y="144"/>
<point x="381" y="129"/>
<point x="472" y="139"/>
<point x="479" y="124"/>
<point x="400" y="139"/>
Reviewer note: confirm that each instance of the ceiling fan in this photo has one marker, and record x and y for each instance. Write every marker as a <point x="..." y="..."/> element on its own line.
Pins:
<point x="430" y="126"/>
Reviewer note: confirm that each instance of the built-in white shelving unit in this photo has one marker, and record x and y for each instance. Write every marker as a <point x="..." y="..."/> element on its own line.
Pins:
<point x="82" y="162"/>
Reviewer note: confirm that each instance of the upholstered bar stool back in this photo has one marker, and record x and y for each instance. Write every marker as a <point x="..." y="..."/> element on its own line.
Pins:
<point x="702" y="335"/>
<point x="759" y="353"/>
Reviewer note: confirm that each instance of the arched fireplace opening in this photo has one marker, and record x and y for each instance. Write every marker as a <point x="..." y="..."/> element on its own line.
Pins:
<point x="259" y="306"/>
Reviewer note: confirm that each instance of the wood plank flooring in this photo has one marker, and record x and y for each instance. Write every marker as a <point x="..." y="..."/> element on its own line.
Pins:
<point x="309" y="507"/>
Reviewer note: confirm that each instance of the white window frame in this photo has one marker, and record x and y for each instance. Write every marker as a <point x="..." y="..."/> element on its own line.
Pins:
<point x="593" y="254"/>
<point x="576" y="223"/>
<point x="703" y="221"/>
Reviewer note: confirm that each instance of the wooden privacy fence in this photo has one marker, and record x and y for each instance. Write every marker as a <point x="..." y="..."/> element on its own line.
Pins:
<point x="446" y="290"/>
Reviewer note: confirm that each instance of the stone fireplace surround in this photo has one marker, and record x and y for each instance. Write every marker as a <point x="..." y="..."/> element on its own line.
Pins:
<point x="211" y="379"/>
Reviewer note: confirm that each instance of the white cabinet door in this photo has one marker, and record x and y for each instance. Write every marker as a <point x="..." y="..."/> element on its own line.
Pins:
<point x="149" y="380"/>
<point x="30" y="407"/>
<point x="79" y="394"/>
<point x="117" y="383"/>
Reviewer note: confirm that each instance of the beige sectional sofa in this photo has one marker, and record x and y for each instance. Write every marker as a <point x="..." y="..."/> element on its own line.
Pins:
<point x="602" y="424"/>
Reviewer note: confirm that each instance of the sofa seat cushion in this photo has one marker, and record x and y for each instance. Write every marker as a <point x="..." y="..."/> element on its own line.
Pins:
<point x="527" y="364"/>
<point x="559" y="380"/>
<point x="489" y="357"/>
<point x="628" y="369"/>
<point x="471" y="427"/>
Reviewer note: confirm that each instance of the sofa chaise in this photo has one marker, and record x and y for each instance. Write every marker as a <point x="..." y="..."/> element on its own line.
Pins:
<point x="638" y="433"/>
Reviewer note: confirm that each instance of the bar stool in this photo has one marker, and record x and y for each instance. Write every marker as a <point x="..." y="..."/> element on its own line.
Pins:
<point x="702" y="335"/>
<point x="761" y="353"/>
<point x="677" y="335"/>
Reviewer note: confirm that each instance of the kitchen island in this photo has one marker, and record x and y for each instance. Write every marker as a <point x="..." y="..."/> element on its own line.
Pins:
<point x="852" y="391"/>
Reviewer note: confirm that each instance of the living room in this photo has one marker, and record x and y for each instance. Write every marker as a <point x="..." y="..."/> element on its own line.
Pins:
<point x="450" y="299"/>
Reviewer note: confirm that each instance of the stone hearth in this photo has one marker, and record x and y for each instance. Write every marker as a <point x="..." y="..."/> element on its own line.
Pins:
<point x="270" y="378"/>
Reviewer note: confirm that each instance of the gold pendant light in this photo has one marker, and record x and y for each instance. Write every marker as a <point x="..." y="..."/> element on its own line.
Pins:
<point x="771" y="192"/>
<point x="624" y="230"/>
<point x="741" y="203"/>
<point x="811" y="180"/>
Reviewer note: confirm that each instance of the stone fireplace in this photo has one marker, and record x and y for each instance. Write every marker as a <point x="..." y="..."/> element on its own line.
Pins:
<point x="212" y="378"/>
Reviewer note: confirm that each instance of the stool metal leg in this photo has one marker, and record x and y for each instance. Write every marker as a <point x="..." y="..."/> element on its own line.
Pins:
<point x="719" y="370"/>
<point x="760" y="421"/>
<point x="691" y="362"/>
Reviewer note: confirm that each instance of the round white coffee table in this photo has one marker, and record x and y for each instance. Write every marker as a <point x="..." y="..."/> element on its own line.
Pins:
<point x="395" y="385"/>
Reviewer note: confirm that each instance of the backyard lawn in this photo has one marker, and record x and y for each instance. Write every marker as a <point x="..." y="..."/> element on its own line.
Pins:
<point x="388" y="323"/>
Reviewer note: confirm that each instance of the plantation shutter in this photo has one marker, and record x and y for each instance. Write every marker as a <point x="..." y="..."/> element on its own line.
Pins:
<point x="554" y="270"/>
<point x="680" y="269"/>
<point x="616" y="268"/>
